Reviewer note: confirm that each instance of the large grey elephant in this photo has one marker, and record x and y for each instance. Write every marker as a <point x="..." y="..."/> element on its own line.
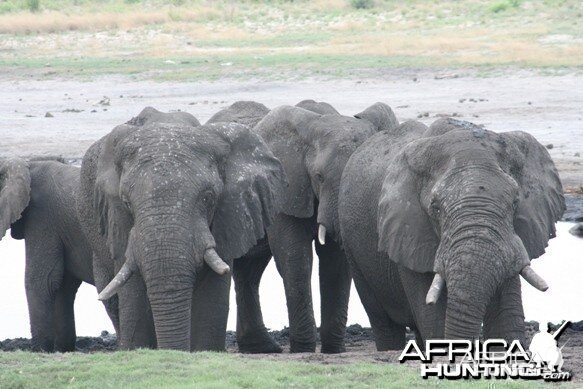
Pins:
<point x="37" y="203"/>
<point x="439" y="223"/>
<point x="166" y="207"/>
<point x="313" y="149"/>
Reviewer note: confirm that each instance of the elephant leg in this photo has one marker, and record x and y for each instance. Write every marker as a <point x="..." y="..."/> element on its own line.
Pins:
<point x="252" y="336"/>
<point x="504" y="317"/>
<point x="388" y="334"/>
<point x="210" y="311"/>
<point x="135" y="316"/>
<point x="64" y="315"/>
<point x="290" y="240"/>
<point x="43" y="278"/>
<point x="429" y="319"/>
<point x="335" y="282"/>
<point x="102" y="275"/>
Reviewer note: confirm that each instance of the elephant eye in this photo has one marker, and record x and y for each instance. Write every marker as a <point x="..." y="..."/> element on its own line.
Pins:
<point x="319" y="177"/>
<point x="125" y="201"/>
<point x="515" y="204"/>
<point x="434" y="205"/>
<point x="208" y="198"/>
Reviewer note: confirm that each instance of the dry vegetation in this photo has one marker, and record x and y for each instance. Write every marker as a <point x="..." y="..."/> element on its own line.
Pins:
<point x="247" y="35"/>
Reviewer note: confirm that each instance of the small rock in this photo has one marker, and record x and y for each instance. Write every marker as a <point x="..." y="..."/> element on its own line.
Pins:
<point x="415" y="79"/>
<point x="93" y="110"/>
<point x="577" y="155"/>
<point x="462" y="100"/>
<point x="549" y="146"/>
<point x="49" y="115"/>
<point x="529" y="103"/>
<point x="577" y="230"/>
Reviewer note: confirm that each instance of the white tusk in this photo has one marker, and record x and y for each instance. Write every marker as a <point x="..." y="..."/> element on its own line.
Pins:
<point x="322" y="234"/>
<point x="434" y="290"/>
<point x="118" y="281"/>
<point x="534" y="279"/>
<point x="215" y="262"/>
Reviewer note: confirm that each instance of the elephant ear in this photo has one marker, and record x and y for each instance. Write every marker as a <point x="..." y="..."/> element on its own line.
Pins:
<point x="288" y="131"/>
<point x="248" y="113"/>
<point x="318" y="107"/>
<point x="380" y="115"/>
<point x="102" y="166"/>
<point x="541" y="203"/>
<point x="254" y="186"/>
<point x="14" y="191"/>
<point x="405" y="230"/>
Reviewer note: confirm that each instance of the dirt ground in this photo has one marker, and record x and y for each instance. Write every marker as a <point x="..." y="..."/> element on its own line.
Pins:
<point x="66" y="117"/>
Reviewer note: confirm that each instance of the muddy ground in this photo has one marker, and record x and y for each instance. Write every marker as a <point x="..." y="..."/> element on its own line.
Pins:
<point x="360" y="347"/>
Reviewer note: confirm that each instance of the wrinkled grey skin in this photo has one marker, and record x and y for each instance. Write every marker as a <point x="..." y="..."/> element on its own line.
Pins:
<point x="320" y="107"/>
<point x="248" y="113"/>
<point x="40" y="196"/>
<point x="152" y="115"/>
<point x="470" y="204"/>
<point x="159" y="199"/>
<point x="313" y="150"/>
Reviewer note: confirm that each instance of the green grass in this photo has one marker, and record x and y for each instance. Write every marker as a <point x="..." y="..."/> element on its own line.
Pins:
<point x="168" y="369"/>
<point x="284" y="39"/>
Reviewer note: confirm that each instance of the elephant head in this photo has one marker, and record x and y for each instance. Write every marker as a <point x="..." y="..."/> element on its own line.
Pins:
<point x="14" y="191"/>
<point x="171" y="198"/>
<point x="248" y="113"/>
<point x="314" y="150"/>
<point x="473" y="207"/>
<point x="152" y="115"/>
<point x="320" y="107"/>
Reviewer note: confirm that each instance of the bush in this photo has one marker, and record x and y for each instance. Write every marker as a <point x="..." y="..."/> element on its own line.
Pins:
<point x="503" y="5"/>
<point x="362" y="4"/>
<point x="33" y="5"/>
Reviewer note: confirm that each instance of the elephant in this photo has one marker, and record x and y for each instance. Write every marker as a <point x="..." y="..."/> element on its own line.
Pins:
<point x="313" y="149"/>
<point x="248" y="113"/>
<point x="166" y="207"/>
<point x="37" y="203"/>
<point x="321" y="107"/>
<point x="439" y="223"/>
<point x="152" y="115"/>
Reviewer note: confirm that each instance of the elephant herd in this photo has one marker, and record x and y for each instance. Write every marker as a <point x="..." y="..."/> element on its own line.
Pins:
<point x="435" y="225"/>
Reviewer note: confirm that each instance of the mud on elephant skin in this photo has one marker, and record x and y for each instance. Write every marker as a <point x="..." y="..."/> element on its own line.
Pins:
<point x="313" y="145"/>
<point x="166" y="208"/>
<point x="37" y="202"/>
<point x="460" y="213"/>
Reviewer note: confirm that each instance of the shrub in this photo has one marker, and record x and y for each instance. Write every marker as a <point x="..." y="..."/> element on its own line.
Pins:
<point x="362" y="4"/>
<point x="503" y="5"/>
<point x="33" y="5"/>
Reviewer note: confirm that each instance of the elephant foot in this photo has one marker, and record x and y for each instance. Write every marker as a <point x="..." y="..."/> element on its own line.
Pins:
<point x="265" y="345"/>
<point x="333" y="349"/>
<point x="390" y="344"/>
<point x="302" y="347"/>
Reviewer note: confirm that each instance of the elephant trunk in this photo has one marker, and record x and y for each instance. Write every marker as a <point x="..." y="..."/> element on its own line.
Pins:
<point x="473" y="271"/>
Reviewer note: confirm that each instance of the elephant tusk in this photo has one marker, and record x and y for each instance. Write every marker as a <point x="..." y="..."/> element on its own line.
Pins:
<point x="215" y="262"/>
<point x="118" y="281"/>
<point x="534" y="279"/>
<point x="434" y="290"/>
<point x="322" y="234"/>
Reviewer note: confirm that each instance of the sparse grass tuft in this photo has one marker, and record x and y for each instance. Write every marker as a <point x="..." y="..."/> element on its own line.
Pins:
<point x="362" y="4"/>
<point x="503" y="5"/>
<point x="33" y="5"/>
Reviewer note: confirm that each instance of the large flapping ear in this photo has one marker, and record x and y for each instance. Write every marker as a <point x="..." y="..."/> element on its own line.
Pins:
<point x="541" y="203"/>
<point x="101" y="169"/>
<point x="405" y="230"/>
<point x="14" y="191"/>
<point x="287" y="131"/>
<point x="318" y="107"/>
<point x="380" y="115"/>
<point x="254" y="187"/>
<point x="152" y="115"/>
<point x="248" y="113"/>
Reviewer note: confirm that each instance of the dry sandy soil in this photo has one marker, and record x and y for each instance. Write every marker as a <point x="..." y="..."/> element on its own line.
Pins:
<point x="548" y="107"/>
